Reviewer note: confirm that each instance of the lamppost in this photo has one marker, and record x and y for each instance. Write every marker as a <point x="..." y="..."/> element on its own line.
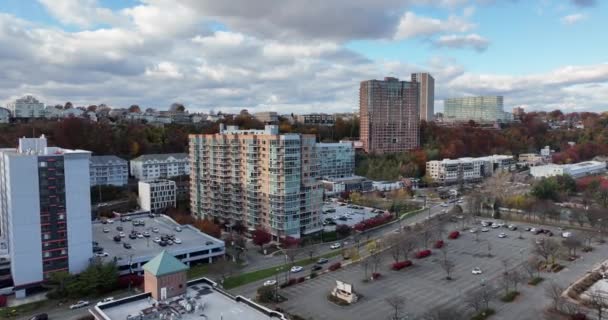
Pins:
<point x="521" y="253"/>
<point x="276" y="285"/>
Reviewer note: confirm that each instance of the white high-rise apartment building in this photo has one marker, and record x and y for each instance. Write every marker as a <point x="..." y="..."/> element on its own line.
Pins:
<point x="157" y="195"/>
<point x="45" y="211"/>
<point x="149" y="167"/>
<point x="27" y="107"/>
<point x="260" y="178"/>
<point x="109" y="170"/>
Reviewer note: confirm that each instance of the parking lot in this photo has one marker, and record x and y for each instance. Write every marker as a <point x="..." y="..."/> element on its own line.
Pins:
<point x="345" y="214"/>
<point x="423" y="285"/>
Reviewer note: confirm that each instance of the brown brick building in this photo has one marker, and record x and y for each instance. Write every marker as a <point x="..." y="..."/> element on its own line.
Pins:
<point x="165" y="276"/>
<point x="389" y="115"/>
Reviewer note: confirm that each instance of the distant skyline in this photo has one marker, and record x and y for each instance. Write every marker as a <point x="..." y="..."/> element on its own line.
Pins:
<point x="302" y="56"/>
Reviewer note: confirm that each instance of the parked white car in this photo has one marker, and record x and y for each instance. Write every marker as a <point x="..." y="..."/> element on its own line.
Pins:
<point x="502" y="235"/>
<point x="335" y="246"/>
<point x="269" y="283"/>
<point x="101" y="254"/>
<point x="177" y="241"/>
<point x="566" y="234"/>
<point x="476" y="270"/>
<point x="296" y="269"/>
<point x="105" y="300"/>
<point x="79" y="304"/>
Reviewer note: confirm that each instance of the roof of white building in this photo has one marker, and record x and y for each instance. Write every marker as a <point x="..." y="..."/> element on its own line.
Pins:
<point x="161" y="157"/>
<point x="100" y="160"/>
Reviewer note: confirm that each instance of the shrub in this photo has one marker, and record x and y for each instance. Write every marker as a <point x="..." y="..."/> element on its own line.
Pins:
<point x="484" y="314"/>
<point x="130" y="279"/>
<point x="438" y="244"/>
<point x="291" y="282"/>
<point x="401" y="264"/>
<point x="376" y="275"/>
<point x="454" y="235"/>
<point x="313" y="275"/>
<point x="335" y="266"/>
<point x="535" y="281"/>
<point x="266" y="294"/>
<point x="373" y="222"/>
<point x="510" y="296"/>
<point x="301" y="279"/>
<point x="2" y="301"/>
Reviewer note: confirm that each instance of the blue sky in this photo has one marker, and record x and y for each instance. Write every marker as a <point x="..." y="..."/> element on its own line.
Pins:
<point x="302" y="56"/>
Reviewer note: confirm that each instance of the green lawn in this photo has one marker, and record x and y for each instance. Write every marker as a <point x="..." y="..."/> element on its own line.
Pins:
<point x="245" y="278"/>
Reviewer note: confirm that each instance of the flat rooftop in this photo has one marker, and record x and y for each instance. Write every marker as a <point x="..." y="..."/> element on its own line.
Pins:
<point x="145" y="248"/>
<point x="206" y="300"/>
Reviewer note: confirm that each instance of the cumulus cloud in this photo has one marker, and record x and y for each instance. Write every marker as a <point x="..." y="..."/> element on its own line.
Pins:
<point x="473" y="40"/>
<point x="573" y="18"/>
<point x="412" y="25"/>
<point x="82" y="13"/>
<point x="288" y="56"/>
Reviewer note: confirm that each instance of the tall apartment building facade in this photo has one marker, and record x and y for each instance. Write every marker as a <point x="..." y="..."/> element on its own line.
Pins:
<point x="336" y="160"/>
<point x="149" y="167"/>
<point x="479" y="109"/>
<point x="109" y="170"/>
<point x="426" y="95"/>
<point x="45" y="210"/>
<point x="259" y="177"/>
<point x="5" y="115"/>
<point x="27" y="107"/>
<point x="389" y="115"/>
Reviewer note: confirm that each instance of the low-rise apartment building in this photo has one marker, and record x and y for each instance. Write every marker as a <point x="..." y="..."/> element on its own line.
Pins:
<point x="109" y="170"/>
<point x="157" y="195"/>
<point x="159" y="166"/>
<point x="530" y="159"/>
<point x="449" y="171"/>
<point x="316" y="119"/>
<point x="258" y="177"/>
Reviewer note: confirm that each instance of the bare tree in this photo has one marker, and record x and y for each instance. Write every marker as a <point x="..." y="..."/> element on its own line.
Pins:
<point x="515" y="277"/>
<point x="312" y="250"/>
<point x="365" y="264"/>
<point x="531" y="266"/>
<point x="587" y="238"/>
<point x="222" y="268"/>
<point x="425" y="235"/>
<point x="489" y="247"/>
<point x="547" y="249"/>
<point x="554" y="291"/>
<point x="577" y="216"/>
<point x="409" y="244"/>
<point x="395" y="243"/>
<point x="397" y="304"/>
<point x="597" y="301"/>
<point x="572" y="243"/>
<point x="446" y="264"/>
<point x="444" y="313"/>
<point x="479" y="299"/>
<point x="376" y="260"/>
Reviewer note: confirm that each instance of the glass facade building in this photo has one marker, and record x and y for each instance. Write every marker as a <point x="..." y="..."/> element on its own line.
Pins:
<point x="478" y="109"/>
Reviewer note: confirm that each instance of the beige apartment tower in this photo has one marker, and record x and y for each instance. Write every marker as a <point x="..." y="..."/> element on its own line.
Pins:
<point x="388" y="110"/>
<point x="426" y="95"/>
<point x="258" y="177"/>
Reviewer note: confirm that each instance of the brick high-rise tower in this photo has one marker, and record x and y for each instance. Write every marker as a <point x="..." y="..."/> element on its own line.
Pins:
<point x="389" y="115"/>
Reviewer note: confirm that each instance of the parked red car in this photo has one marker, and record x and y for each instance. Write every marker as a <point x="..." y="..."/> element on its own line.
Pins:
<point x="401" y="264"/>
<point x="438" y="244"/>
<point x="423" y="254"/>
<point x="454" y="235"/>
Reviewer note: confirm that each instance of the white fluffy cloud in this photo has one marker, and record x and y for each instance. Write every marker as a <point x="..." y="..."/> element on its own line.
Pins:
<point x="412" y="25"/>
<point x="573" y="18"/>
<point x="473" y="40"/>
<point x="288" y="56"/>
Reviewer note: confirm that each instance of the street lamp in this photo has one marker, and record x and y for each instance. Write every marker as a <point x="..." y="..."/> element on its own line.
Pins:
<point x="276" y="285"/>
